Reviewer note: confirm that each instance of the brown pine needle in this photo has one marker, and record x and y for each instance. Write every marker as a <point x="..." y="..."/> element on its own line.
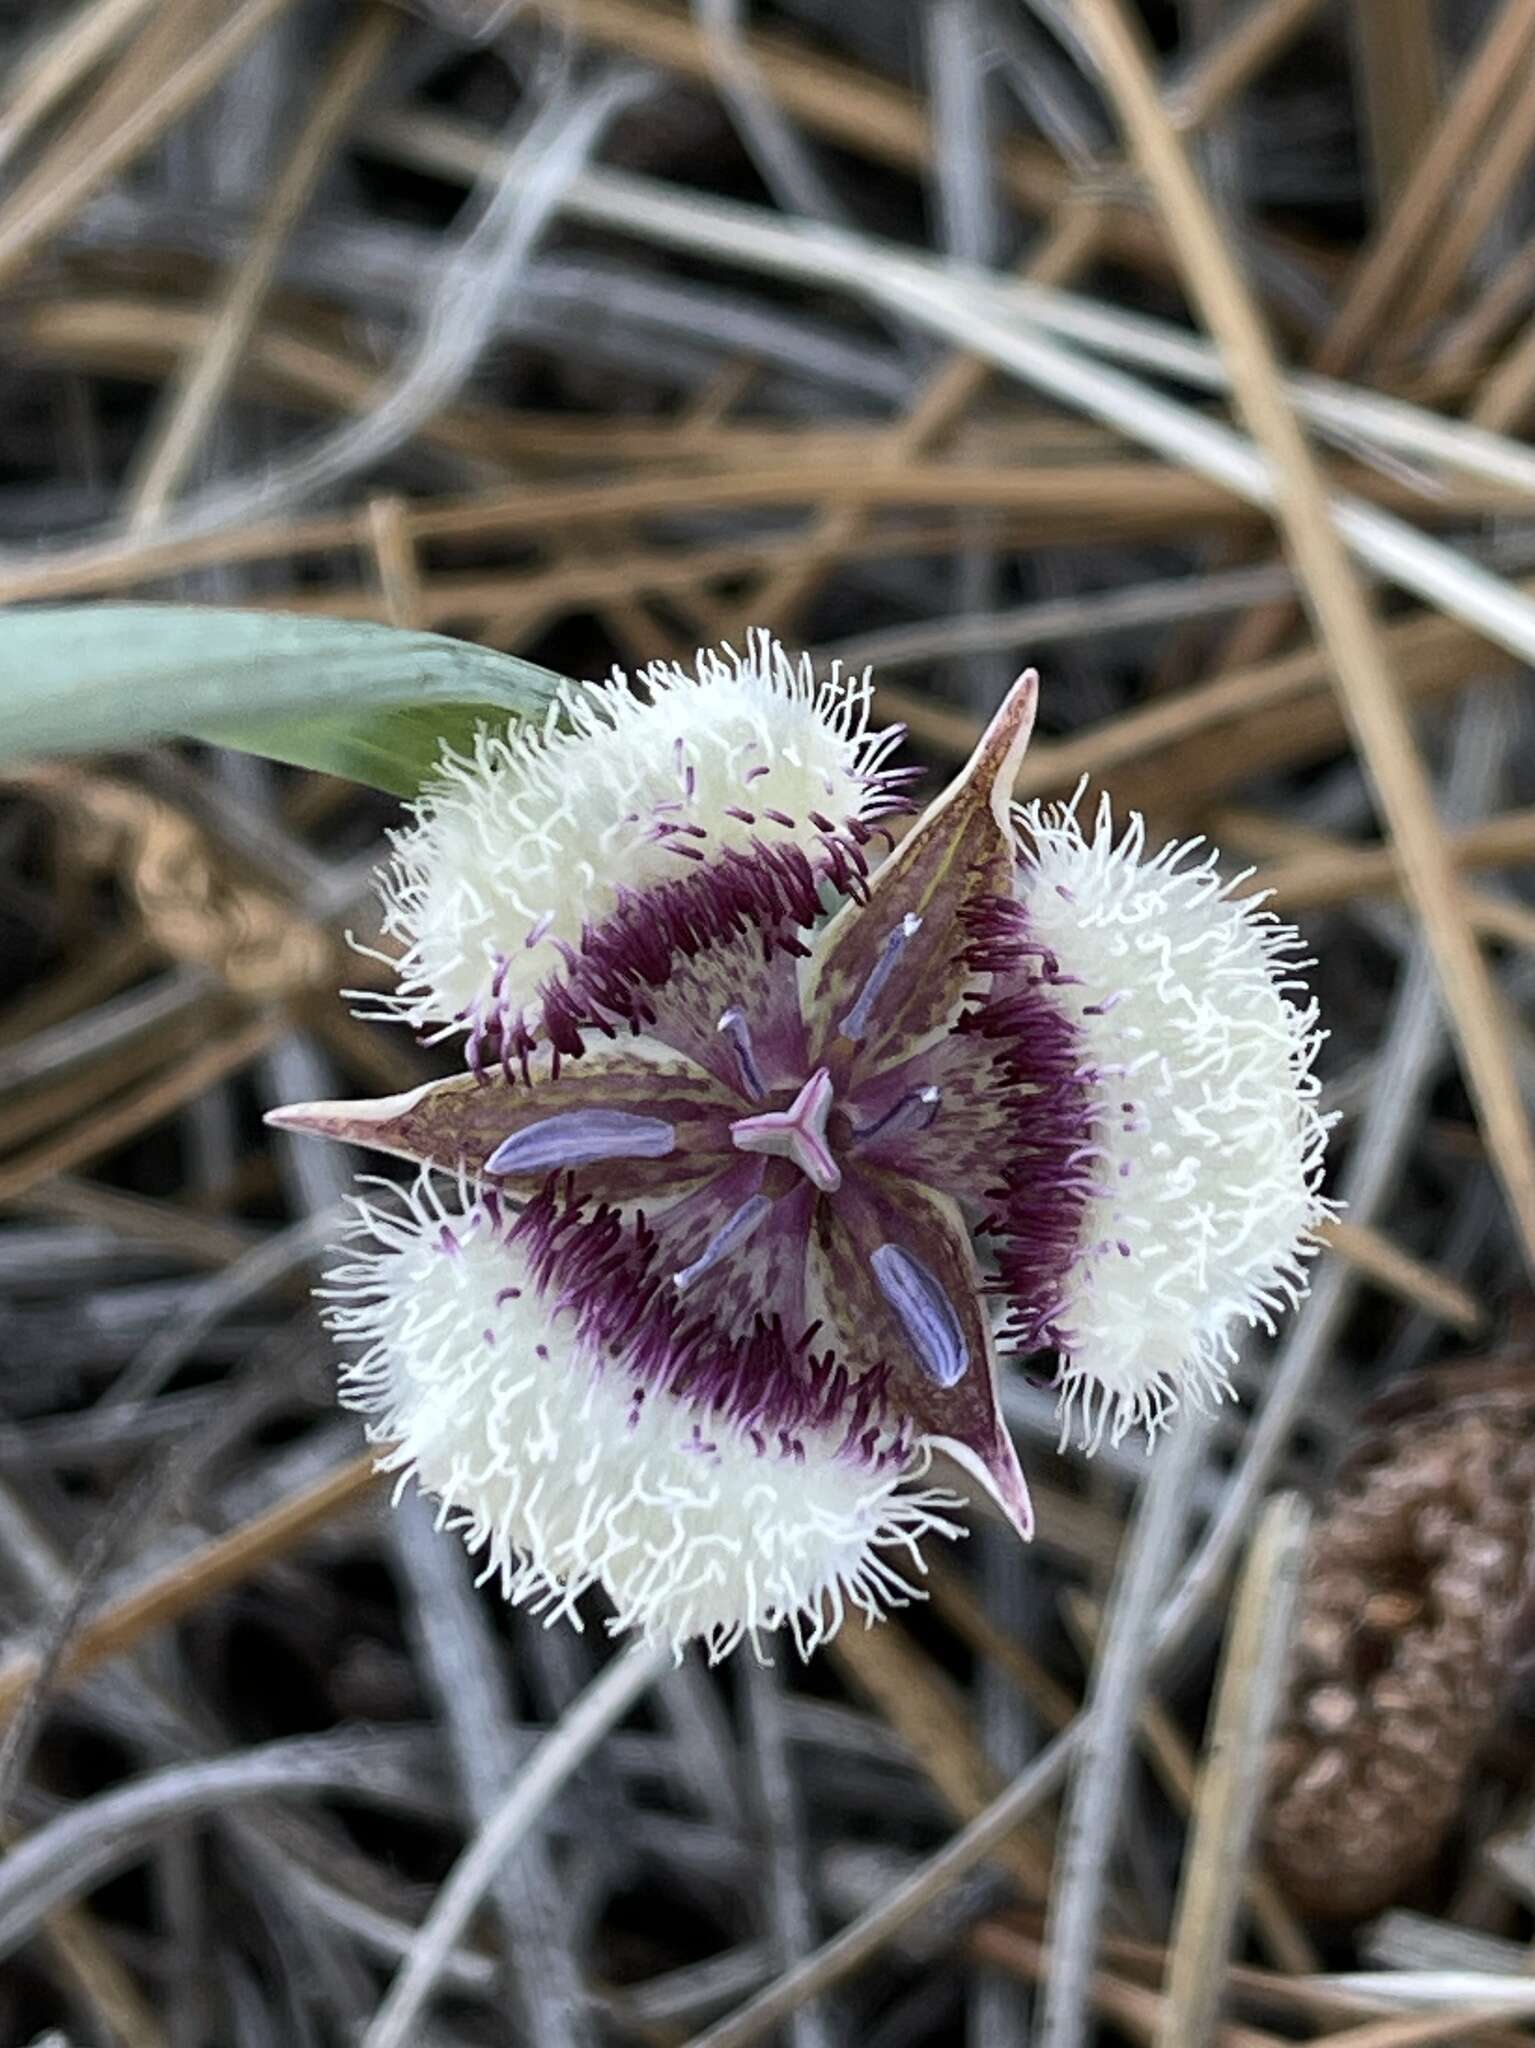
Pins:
<point x="1479" y="91"/>
<point x="41" y="206"/>
<point x="1338" y="604"/>
<point x="181" y="1587"/>
<point x="192" y="400"/>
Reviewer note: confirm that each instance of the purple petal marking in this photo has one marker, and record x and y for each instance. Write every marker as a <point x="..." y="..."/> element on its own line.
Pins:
<point x="1041" y="1177"/>
<point x="580" y="1137"/>
<point x="856" y="1022"/>
<point x="626" y="961"/>
<point x="724" y="1241"/>
<point x="926" y="1313"/>
<point x="960" y="850"/>
<point x="768" y="1372"/>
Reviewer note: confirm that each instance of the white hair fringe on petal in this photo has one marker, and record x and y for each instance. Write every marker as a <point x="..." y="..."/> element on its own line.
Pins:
<point x="1208" y="1141"/>
<point x="549" y="1466"/>
<point x="517" y="844"/>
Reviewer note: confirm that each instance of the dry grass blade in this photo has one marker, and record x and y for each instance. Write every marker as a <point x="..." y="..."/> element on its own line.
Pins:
<point x="1248" y="1692"/>
<point x="967" y="1616"/>
<point x="781" y="1821"/>
<point x="399" y="572"/>
<point x="921" y="1706"/>
<point x="1505" y="397"/>
<point x="843" y="102"/>
<point x="938" y="405"/>
<point x="985" y="320"/>
<point x="1139" y="2011"/>
<point x="563" y="1750"/>
<point x="1507" y="155"/>
<point x="1388" y="265"/>
<point x="55" y="67"/>
<point x="1400" y="63"/>
<point x="182" y="1586"/>
<point x="137" y="1221"/>
<point x="1320" y="871"/>
<point x="1119" y="1677"/>
<point x="40" y="206"/>
<point x="102" y="1981"/>
<point x="1341" y="610"/>
<point x="1378" y="1259"/>
<point x="21" y="1175"/>
<point x="193" y="398"/>
<point x="1312" y="870"/>
<point x="1171" y="1756"/>
<point x="1235" y="57"/>
<point x="75" y="1850"/>
<point x="850" y="1950"/>
<point x="1434" y="2030"/>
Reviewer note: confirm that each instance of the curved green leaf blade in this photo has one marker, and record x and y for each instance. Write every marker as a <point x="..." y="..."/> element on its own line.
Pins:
<point x="394" y="749"/>
<point x="369" y="702"/>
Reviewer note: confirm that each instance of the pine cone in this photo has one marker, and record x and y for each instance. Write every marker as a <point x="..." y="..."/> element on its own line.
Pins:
<point x="1419" y="1591"/>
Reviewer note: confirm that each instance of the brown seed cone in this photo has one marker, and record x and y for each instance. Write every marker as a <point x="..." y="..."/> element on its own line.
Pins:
<point x="1416" y="1602"/>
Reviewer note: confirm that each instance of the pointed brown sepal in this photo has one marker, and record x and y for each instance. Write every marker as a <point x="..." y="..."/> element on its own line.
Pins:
<point x="959" y="850"/>
<point x="460" y="1123"/>
<point x="963" y="1419"/>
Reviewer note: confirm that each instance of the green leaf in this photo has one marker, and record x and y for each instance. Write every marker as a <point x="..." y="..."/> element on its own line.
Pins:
<point x="394" y="749"/>
<point x="372" y="703"/>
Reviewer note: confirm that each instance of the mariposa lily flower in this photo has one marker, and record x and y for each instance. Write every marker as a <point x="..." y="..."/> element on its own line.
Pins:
<point x="757" y="1145"/>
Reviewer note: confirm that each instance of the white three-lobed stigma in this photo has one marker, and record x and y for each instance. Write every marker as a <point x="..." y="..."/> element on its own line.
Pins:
<point x="563" y="1478"/>
<point x="519" y="844"/>
<point x="1207" y="1150"/>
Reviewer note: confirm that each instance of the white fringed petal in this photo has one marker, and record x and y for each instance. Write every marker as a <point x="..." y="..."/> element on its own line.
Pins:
<point x="516" y="846"/>
<point x="565" y="1482"/>
<point x="1210" y="1142"/>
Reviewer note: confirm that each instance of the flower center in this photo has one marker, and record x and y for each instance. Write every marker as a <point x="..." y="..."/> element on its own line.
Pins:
<point x="797" y="1133"/>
